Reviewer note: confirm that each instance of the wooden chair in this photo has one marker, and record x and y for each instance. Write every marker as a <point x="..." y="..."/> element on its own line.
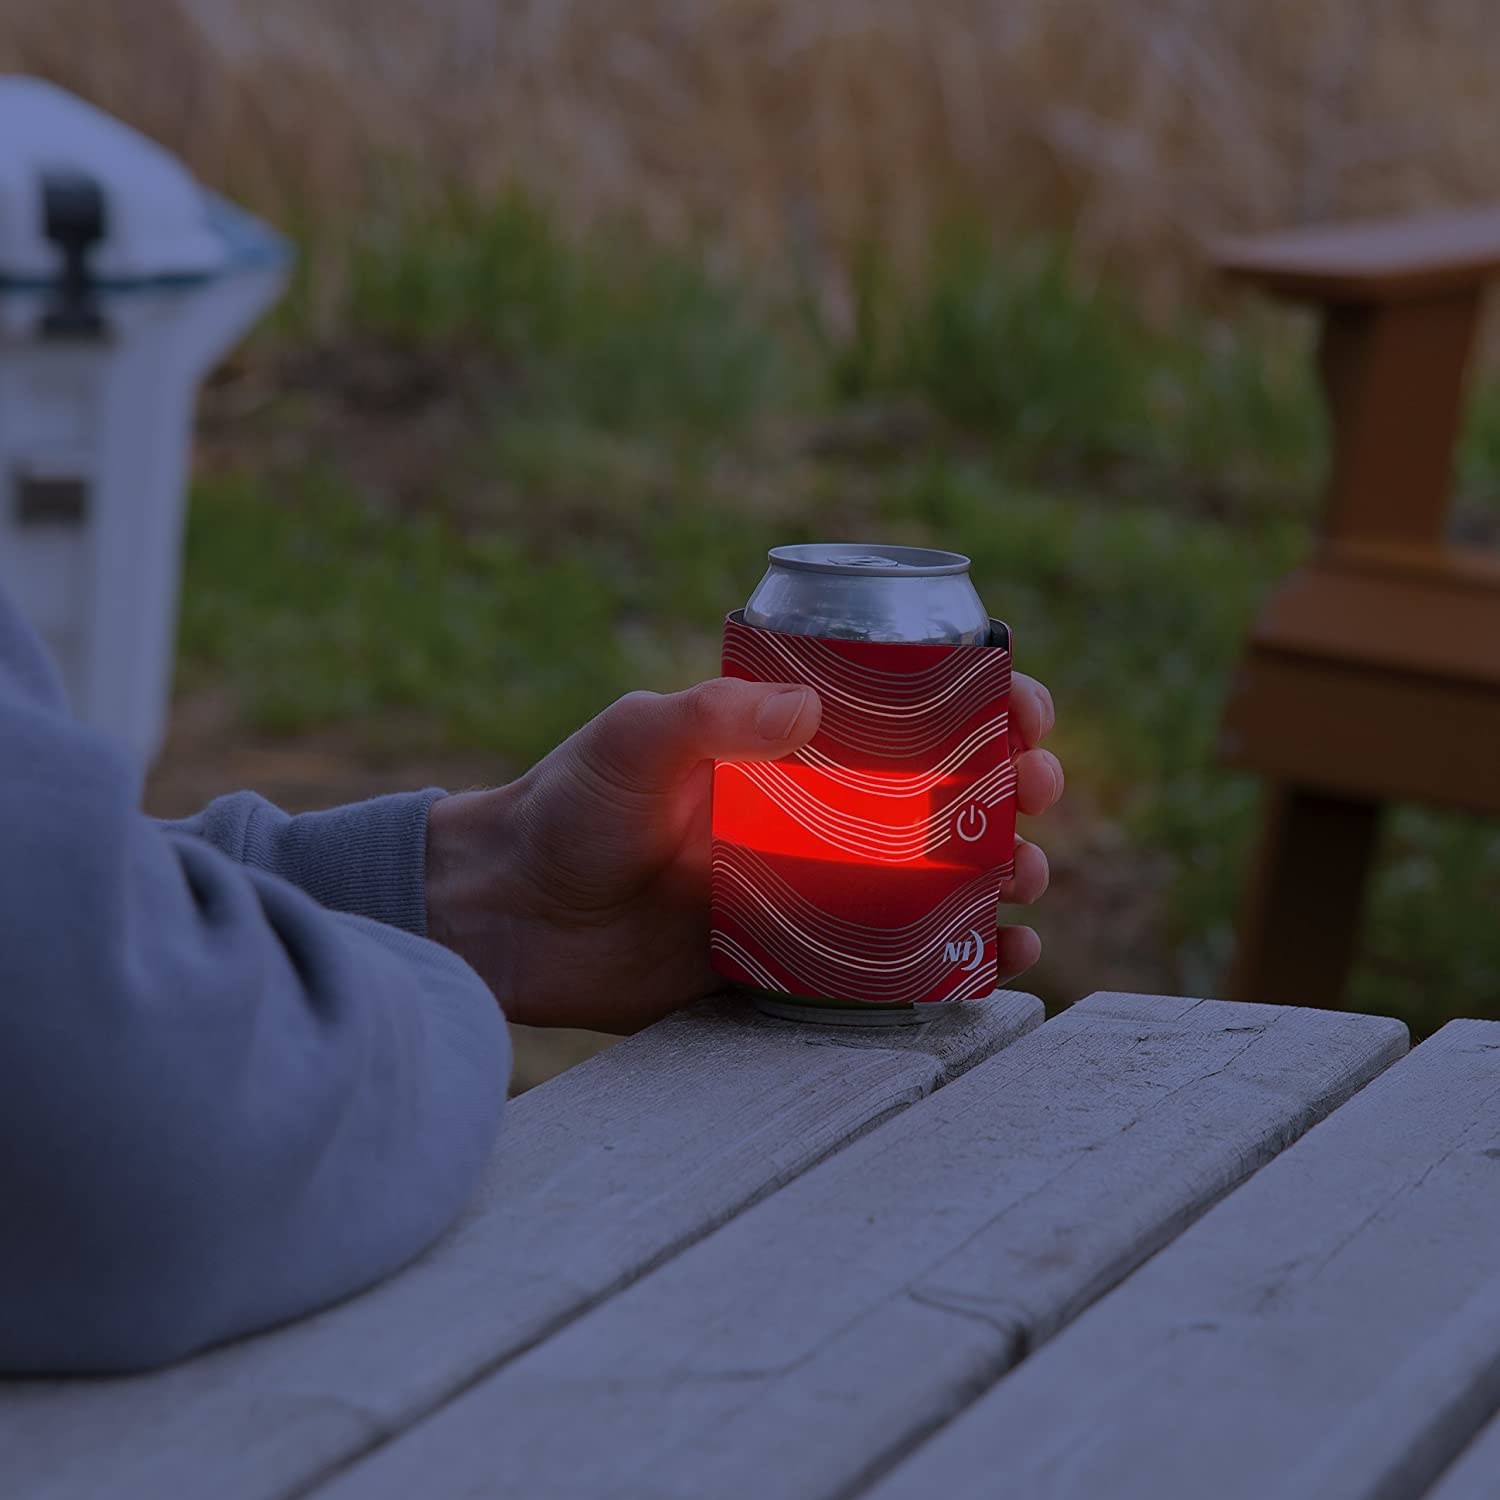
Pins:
<point x="1372" y="674"/>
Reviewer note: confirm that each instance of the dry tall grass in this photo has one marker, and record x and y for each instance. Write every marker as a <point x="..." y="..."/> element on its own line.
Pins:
<point x="798" y="128"/>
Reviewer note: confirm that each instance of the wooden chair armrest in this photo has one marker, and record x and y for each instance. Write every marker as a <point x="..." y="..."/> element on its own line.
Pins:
<point x="1388" y="260"/>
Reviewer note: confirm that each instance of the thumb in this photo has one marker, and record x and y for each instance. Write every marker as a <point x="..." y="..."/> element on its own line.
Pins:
<point x="648" y="741"/>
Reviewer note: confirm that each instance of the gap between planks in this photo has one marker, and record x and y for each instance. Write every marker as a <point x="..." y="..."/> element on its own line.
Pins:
<point x="815" y="1339"/>
<point x="1329" y="1330"/>
<point x="600" y="1175"/>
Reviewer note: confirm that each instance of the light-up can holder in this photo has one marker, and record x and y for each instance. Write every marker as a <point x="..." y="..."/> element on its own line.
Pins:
<point x="866" y="868"/>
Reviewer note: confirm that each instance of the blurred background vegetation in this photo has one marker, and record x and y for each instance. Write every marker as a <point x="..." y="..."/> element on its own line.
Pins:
<point x="596" y="303"/>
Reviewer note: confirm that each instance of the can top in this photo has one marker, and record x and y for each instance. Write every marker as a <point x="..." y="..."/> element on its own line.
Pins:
<point x="854" y="560"/>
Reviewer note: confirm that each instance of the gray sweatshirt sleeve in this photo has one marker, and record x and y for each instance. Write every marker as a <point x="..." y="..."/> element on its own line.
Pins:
<point x="221" y="1104"/>
<point x="366" y="858"/>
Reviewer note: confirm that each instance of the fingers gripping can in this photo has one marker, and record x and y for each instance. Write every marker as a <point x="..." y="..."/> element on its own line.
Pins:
<point x="857" y="880"/>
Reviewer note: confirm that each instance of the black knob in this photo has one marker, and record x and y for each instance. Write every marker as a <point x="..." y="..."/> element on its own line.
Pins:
<point x="74" y="218"/>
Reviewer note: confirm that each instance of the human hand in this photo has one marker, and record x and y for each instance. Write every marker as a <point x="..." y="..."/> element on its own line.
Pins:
<point x="581" y="891"/>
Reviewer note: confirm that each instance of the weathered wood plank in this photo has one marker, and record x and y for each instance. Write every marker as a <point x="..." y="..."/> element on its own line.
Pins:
<point x="832" y="1326"/>
<point x="1475" y="1474"/>
<point x="601" y="1174"/>
<point x="1330" y="1329"/>
<point x="1398" y="1438"/>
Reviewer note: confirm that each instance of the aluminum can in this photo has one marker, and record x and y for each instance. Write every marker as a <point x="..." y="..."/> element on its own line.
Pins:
<point x="842" y="591"/>
<point x="862" y="592"/>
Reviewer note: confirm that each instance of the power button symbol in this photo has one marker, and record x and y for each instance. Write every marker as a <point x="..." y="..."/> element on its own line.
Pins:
<point x="971" y="823"/>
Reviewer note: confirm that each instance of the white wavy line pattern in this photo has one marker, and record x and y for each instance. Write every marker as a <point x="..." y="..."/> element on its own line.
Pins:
<point x="831" y="971"/>
<point x="860" y="836"/>
<point x="824" y="955"/>
<point x="910" y="715"/>
<point x="903" y="783"/>
<point x="773" y="935"/>
<point x="980" y="982"/>
<point x="798" y="909"/>
<point x="841" y="660"/>
<point x="742" y="870"/>
<point x="886" y="694"/>
<point x="754" y="971"/>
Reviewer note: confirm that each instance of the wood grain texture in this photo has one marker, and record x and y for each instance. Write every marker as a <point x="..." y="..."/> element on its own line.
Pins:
<point x="1475" y="1474"/>
<point x="600" y="1175"/>
<point x="820" y="1334"/>
<point x="1391" y="1445"/>
<point x="1329" y="1329"/>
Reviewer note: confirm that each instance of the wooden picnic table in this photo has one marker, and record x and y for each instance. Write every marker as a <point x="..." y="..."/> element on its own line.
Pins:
<point x="1153" y="1247"/>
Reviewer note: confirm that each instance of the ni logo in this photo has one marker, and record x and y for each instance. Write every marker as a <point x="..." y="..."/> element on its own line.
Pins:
<point x="969" y="951"/>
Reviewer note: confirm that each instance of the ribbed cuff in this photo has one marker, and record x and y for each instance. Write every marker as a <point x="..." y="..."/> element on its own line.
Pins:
<point x="368" y="858"/>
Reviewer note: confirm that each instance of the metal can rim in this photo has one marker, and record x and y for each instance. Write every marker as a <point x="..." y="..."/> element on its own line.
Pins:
<point x="907" y="562"/>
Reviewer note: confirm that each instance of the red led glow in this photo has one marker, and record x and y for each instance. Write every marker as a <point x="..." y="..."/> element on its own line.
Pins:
<point x="868" y="866"/>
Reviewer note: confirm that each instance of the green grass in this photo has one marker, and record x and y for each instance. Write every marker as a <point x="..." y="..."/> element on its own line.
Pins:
<point x="1023" y="351"/>
<point x="1047" y="363"/>
<point x="316" y="612"/>
<point x="646" y="430"/>
<point x="1478" y="465"/>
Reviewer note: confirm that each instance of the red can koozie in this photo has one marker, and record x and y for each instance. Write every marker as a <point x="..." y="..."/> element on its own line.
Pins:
<point x="867" y="866"/>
